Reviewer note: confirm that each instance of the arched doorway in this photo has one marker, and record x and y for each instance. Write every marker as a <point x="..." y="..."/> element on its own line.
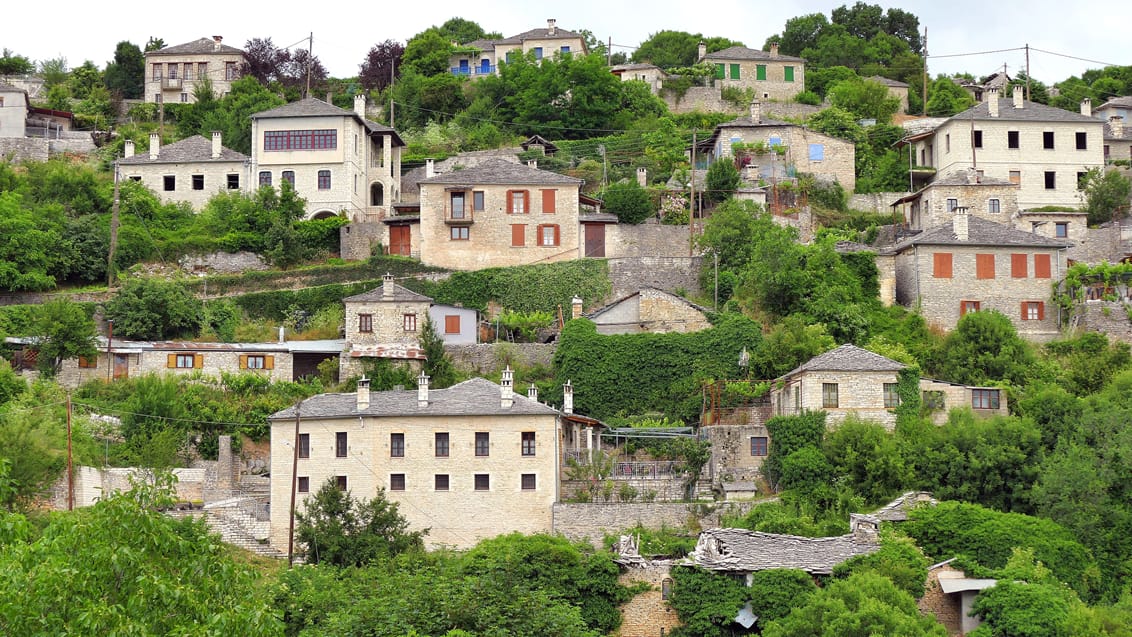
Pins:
<point x="377" y="194"/>
<point x="324" y="214"/>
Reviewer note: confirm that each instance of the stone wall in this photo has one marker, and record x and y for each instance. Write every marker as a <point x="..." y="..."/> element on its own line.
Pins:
<point x="24" y="149"/>
<point x="79" y="143"/>
<point x="591" y="522"/>
<point x="731" y="458"/>
<point x="357" y="239"/>
<point x="1107" y="317"/>
<point x="223" y="262"/>
<point x="945" y="608"/>
<point x="490" y="358"/>
<point x="627" y="275"/>
<point x="647" y="614"/>
<point x="648" y="239"/>
<point x="875" y="202"/>
<point x="92" y="484"/>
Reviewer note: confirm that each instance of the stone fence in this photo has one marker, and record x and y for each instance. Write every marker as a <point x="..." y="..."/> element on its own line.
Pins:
<point x="629" y="274"/>
<point x="876" y="202"/>
<point x="488" y="358"/>
<point x="591" y="522"/>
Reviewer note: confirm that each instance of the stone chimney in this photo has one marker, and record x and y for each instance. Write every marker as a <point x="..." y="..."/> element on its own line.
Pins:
<point x="643" y="177"/>
<point x="329" y="97"/>
<point x="576" y="307"/>
<point x="363" y="393"/>
<point x="359" y="105"/>
<point x="1018" y="102"/>
<point x="756" y="111"/>
<point x="1087" y="107"/>
<point x="865" y="528"/>
<point x="959" y="224"/>
<point x="216" y="40"/>
<point x="552" y="27"/>
<point x="506" y="387"/>
<point x="216" y="145"/>
<point x="129" y="150"/>
<point x="773" y="49"/>
<point x="533" y="163"/>
<point x="422" y="390"/>
<point x="282" y="334"/>
<point x="154" y="145"/>
<point x="701" y="51"/>
<point x="1116" y="125"/>
<point x="567" y="398"/>
<point x="429" y="168"/>
<point x="992" y="102"/>
<point x="532" y="392"/>
<point x="387" y="286"/>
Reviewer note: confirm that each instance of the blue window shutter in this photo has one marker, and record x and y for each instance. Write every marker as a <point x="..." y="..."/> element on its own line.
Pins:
<point x="817" y="152"/>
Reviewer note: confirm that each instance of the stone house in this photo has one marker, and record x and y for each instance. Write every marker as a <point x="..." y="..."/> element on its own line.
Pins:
<point x="650" y="74"/>
<point x="13" y="111"/>
<point x="385" y="322"/>
<point x="480" y="58"/>
<point x="191" y="170"/>
<point x="1045" y="150"/>
<point x="940" y="397"/>
<point x="974" y="264"/>
<point x="786" y="149"/>
<point x="768" y="74"/>
<point x="949" y="596"/>
<point x="469" y="462"/>
<point x="649" y="310"/>
<point x="842" y="381"/>
<point x="173" y="73"/>
<point x="896" y="89"/>
<point x="1117" y="139"/>
<point x="1116" y="107"/>
<point x="499" y="214"/>
<point x="337" y="160"/>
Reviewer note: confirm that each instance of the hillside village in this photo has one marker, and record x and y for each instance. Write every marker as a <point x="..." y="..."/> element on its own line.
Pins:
<point x="520" y="335"/>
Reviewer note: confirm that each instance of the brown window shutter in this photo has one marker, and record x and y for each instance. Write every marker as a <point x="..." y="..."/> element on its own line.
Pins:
<point x="243" y="361"/>
<point x="557" y="238"/>
<point x="452" y="324"/>
<point x="518" y="235"/>
<point x="526" y="201"/>
<point x="941" y="265"/>
<point x="510" y="200"/>
<point x="1024" y="303"/>
<point x="1041" y="310"/>
<point x="198" y="361"/>
<point x="269" y="362"/>
<point x="538" y="234"/>
<point x="1041" y="266"/>
<point x="548" y="201"/>
<point x="962" y="308"/>
<point x="171" y="361"/>
<point x="984" y="266"/>
<point x="1018" y="266"/>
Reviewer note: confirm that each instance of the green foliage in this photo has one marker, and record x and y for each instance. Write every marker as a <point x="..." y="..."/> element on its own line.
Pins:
<point x="11" y="383"/>
<point x="63" y="329"/>
<point x="869" y="458"/>
<point x="427" y="53"/>
<point x="706" y="602"/>
<point x="722" y="180"/>
<point x="337" y="529"/>
<point x="125" y="76"/>
<point x="438" y="365"/>
<point x="805" y="470"/>
<point x="791" y="434"/>
<point x="663" y="542"/>
<point x="946" y="98"/>
<point x="898" y="559"/>
<point x="543" y="287"/>
<point x="865" y="99"/>
<point x="1106" y="194"/>
<point x="12" y="64"/>
<point x="525" y="326"/>
<point x="819" y="514"/>
<point x="152" y="309"/>
<point x="35" y="439"/>
<point x="808" y="97"/>
<point x="631" y="203"/>
<point x="983" y="348"/>
<point x="789" y="343"/>
<point x="730" y="232"/>
<point x="668" y="49"/>
<point x="1025" y="610"/>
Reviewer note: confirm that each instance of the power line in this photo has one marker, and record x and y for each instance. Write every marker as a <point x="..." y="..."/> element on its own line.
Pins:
<point x="1073" y="57"/>
<point x="958" y="55"/>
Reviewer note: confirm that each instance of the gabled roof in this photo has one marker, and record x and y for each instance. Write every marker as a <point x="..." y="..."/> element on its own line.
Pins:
<point x="1118" y="102"/>
<point x="498" y="172"/>
<point x="981" y="232"/>
<point x="539" y="140"/>
<point x="848" y="358"/>
<point x="743" y="53"/>
<point x="8" y="88"/>
<point x="475" y="397"/>
<point x="400" y="294"/>
<point x="887" y="81"/>
<point x="672" y="297"/>
<point x="196" y="47"/>
<point x="191" y="149"/>
<point x="743" y="551"/>
<point x="541" y="34"/>
<point x="1030" y="112"/>
<point x="314" y="107"/>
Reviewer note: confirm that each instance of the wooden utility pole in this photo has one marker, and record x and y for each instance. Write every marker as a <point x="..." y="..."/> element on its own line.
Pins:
<point x="1028" y="98"/>
<point x="294" y="489"/>
<point x="925" y="106"/>
<point x="70" y="463"/>
<point x="692" y="201"/>
<point x="310" y="59"/>
<point x="113" y="231"/>
<point x="609" y="52"/>
<point x="392" y="77"/>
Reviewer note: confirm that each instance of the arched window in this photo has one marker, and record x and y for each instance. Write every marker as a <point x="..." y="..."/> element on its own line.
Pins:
<point x="666" y="588"/>
<point x="376" y="195"/>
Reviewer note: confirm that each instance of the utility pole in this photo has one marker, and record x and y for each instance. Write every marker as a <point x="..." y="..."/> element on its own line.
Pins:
<point x="109" y="347"/>
<point x="70" y="465"/>
<point x="294" y="488"/>
<point x="1028" y="98"/>
<point x="692" y="201"/>
<point x="925" y="107"/>
<point x="113" y="231"/>
<point x="392" y="63"/>
<point x="310" y="59"/>
<point x="609" y="52"/>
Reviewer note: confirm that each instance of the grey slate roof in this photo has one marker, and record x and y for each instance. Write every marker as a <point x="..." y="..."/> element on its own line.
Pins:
<point x="190" y="149"/>
<point x="400" y="294"/>
<point x="743" y="551"/>
<point x="540" y="34"/>
<point x="502" y="173"/>
<point x="848" y="358"/>
<point x="1030" y="112"/>
<point x="674" y="297"/>
<point x="981" y="232"/>
<point x="8" y="88"/>
<point x="744" y="53"/>
<point x="1120" y="102"/>
<point x="636" y="66"/>
<point x="960" y="179"/>
<point x="888" y="81"/>
<point x="314" y="107"/>
<point x="203" y="45"/>
<point x="475" y="397"/>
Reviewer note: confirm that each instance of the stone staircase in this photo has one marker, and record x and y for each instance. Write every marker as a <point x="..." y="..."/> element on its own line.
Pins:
<point x="235" y="526"/>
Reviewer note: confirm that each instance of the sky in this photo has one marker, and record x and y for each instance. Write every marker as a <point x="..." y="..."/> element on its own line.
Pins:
<point x="1091" y="30"/>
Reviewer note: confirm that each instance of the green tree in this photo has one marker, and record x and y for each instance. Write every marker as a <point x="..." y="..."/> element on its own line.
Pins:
<point x="983" y="348"/>
<point x="670" y="49"/>
<point x="11" y="383"/>
<point x="12" y="64"/>
<point x="801" y="33"/>
<point x="233" y="116"/>
<point x="868" y="458"/>
<point x="631" y="203"/>
<point x="730" y="232"/>
<point x="865" y="99"/>
<point x="125" y="76"/>
<point x="464" y="31"/>
<point x="438" y="365"/>
<point x="84" y="78"/>
<point x="339" y="530"/>
<point x="722" y="180"/>
<point x="946" y="98"/>
<point x="63" y="329"/>
<point x="152" y="309"/>
<point x="864" y="604"/>
<point x="898" y="559"/>
<point x="34" y="444"/>
<point x="706" y="602"/>
<point x="1107" y="194"/>
<point x="792" y="434"/>
<point x="427" y="53"/>
<point x="1025" y="610"/>
<point x="54" y="71"/>
<point x="154" y="44"/>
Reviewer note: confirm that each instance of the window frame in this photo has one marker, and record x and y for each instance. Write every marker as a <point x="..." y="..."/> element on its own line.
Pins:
<point x="891" y="395"/>
<point x="555" y="238"/>
<point x="977" y="138"/>
<point x="287" y="176"/>
<point x="1061" y="229"/>
<point x="1013" y="140"/>
<point x="483" y="444"/>
<point x="1048" y="140"/>
<point x="265" y="177"/>
<point x="441" y="450"/>
<point x="457" y="212"/>
<point x="341" y="444"/>
<point x="527" y="444"/>
<point x="233" y="180"/>
<point x="477" y="201"/>
<point x="994" y="206"/>
<point x="1082" y="140"/>
<point x="308" y="139"/>
<point x="342" y="482"/>
<point x="528" y="482"/>
<point x="459" y="233"/>
<point x="760" y="446"/>
<point x="1033" y="310"/>
<point x="829" y="396"/>
<point x="985" y="399"/>
<point x="396" y="482"/>
<point x="952" y="204"/>
<point x="365" y="323"/>
<point x="409" y="321"/>
<point x="169" y="183"/>
<point x="304" y="484"/>
<point x="518" y="202"/>
<point x="397" y="444"/>
<point x="1050" y="179"/>
<point x="481" y="481"/>
<point x="255" y="361"/>
<point x="197" y="182"/>
<point x="968" y="306"/>
<point x="304" y="445"/>
<point x="185" y="361"/>
<point x="324" y="180"/>
<point x="441" y="478"/>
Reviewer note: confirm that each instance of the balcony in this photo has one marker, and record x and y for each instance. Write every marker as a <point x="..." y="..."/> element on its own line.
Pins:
<point x="474" y="71"/>
<point x="458" y="217"/>
<point x="171" y="83"/>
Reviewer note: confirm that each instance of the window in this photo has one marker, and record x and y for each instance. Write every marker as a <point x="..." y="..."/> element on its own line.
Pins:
<point x="440" y="482"/>
<point x="321" y="139"/>
<point x="440" y="444"/>
<point x="1016" y="177"/>
<point x="947" y="143"/>
<point x="760" y="72"/>
<point x="952" y="204"/>
<point x="1041" y="266"/>
<point x="666" y="588"/>
<point x="188" y="71"/>
<point x="483" y="443"/>
<point x="397" y="445"/>
<point x="1061" y="229"/>
<point x="87" y="363"/>
<point x="288" y="177"/>
<point x="1082" y="141"/>
<point x="548" y="235"/>
<point x="234" y="181"/>
<point x="788" y="73"/>
<point x="396" y="482"/>
<point x="185" y="361"/>
<point x="458" y="233"/>
<point x="941" y="265"/>
<point x="135" y="177"/>
<point x="829" y="395"/>
<point x="157" y="97"/>
<point x="1018" y="269"/>
<point x="517" y="203"/>
<point x="977" y="137"/>
<point x="304" y="484"/>
<point x="528" y="442"/>
<point x="518" y="235"/>
<point x="202" y="70"/>
<point x="451" y="323"/>
<point x="158" y="72"/>
<point x="365" y="322"/>
<point x="734" y="71"/>
<point x="720" y="71"/>
<point x="483" y="482"/>
<point x="324" y="180"/>
<point x="170" y="183"/>
<point x="184" y="98"/>
<point x="891" y="397"/>
<point x="1107" y="150"/>
<point x="198" y="182"/>
<point x="758" y="445"/>
<point x="538" y="52"/>
<point x="817" y="152"/>
<point x="477" y="201"/>
<point x="340" y="481"/>
<point x="230" y="71"/>
<point x="984" y="266"/>
<point x="304" y="445"/>
<point x="173" y="70"/>
<point x="933" y="399"/>
<point x="1081" y="177"/>
<point x="994" y="206"/>
<point x="1047" y="140"/>
<point x="265" y="177"/>
<point x="340" y="445"/>
<point x="968" y="306"/>
<point x="1012" y="139"/>
<point x="984" y="399"/>
<point x="564" y="50"/>
<point x="527" y="482"/>
<point x="1033" y="311"/>
<point x="254" y="361"/>
<point x="457" y="210"/>
<point x="409" y="322"/>
<point x="548" y="202"/>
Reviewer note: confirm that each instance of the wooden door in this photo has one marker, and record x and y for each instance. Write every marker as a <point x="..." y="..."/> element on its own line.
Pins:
<point x="400" y="239"/>
<point x="595" y="239"/>
<point x="121" y="366"/>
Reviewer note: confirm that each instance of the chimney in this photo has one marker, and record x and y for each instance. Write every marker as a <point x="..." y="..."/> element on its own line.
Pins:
<point x="756" y="111"/>
<point x="567" y="398"/>
<point x="360" y="105"/>
<point x="282" y="334"/>
<point x="363" y="393"/>
<point x="154" y="145"/>
<point x="1018" y="96"/>
<point x="1116" y="125"/>
<point x="429" y="168"/>
<point x="773" y="49"/>
<point x="552" y="27"/>
<point x="959" y="224"/>
<point x="216" y="39"/>
<point x="992" y="102"/>
<point x="1087" y="107"/>
<point x="642" y="177"/>
<point x="533" y="163"/>
<point x="506" y="383"/>
<point x="972" y="176"/>
<point x="129" y="151"/>
<point x="701" y="51"/>
<point x="575" y="307"/>
<point x="422" y="390"/>
<point x="329" y="97"/>
<point x="216" y="145"/>
<point x="387" y="286"/>
<point x="532" y="392"/>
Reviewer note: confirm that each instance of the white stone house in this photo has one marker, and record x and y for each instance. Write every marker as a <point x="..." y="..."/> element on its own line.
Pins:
<point x="1117" y="139"/>
<point x="1116" y="107"/>
<point x="13" y="111"/>
<point x="480" y="58"/>
<point x="649" y="310"/>
<point x="174" y="72"/>
<point x="770" y="75"/>
<point x="192" y="170"/>
<point x="385" y="322"/>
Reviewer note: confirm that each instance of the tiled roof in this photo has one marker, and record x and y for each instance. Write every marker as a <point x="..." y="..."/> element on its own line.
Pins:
<point x="500" y="172"/>
<point x="8" y="88"/>
<point x="743" y="551"/>
<point x="639" y="66"/>
<point x="475" y="397"/>
<point x="981" y="232"/>
<point x="743" y="53"/>
<point x="848" y="358"/>
<point x="191" y="149"/>
<point x="400" y="294"/>
<point x="888" y="82"/>
<point x="1030" y="112"/>
<point x="541" y="34"/>
<point x="203" y="45"/>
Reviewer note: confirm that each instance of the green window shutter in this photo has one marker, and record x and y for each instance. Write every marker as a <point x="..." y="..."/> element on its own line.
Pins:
<point x="719" y="75"/>
<point x="734" y="71"/>
<point x="760" y="72"/>
<point x="788" y="73"/>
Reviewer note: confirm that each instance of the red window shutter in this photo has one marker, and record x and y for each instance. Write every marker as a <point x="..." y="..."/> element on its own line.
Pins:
<point x="518" y="235"/>
<point x="962" y="308"/>
<point x="557" y="238"/>
<point x="984" y="266"/>
<point x="1041" y="310"/>
<point x="538" y="235"/>
<point x="941" y="265"/>
<point x="548" y="201"/>
<point x="510" y="200"/>
<point x="452" y="324"/>
<point x="1024" y="304"/>
<point x="1018" y="266"/>
<point x="526" y="201"/>
<point x="1041" y="266"/>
